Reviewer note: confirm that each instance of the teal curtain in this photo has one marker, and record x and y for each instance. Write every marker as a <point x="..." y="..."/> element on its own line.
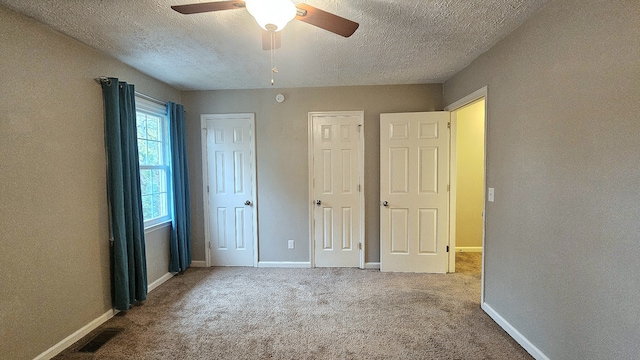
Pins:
<point x="180" y="245"/>
<point x="129" y="267"/>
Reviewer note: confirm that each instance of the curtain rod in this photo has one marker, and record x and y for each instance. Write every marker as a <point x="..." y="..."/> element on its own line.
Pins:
<point x="147" y="97"/>
<point x="105" y="79"/>
<point x="102" y="79"/>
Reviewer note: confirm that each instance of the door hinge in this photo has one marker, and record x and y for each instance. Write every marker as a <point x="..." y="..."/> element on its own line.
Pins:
<point x="210" y="247"/>
<point x="359" y="188"/>
<point x="207" y="188"/>
<point x="448" y="187"/>
<point x="359" y="246"/>
<point x="449" y="125"/>
<point x="447" y="248"/>
<point x="359" y="127"/>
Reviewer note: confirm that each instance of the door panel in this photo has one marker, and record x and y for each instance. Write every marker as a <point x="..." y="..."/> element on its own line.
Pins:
<point x="414" y="172"/>
<point x="399" y="231"/>
<point x="335" y="163"/>
<point x="230" y="174"/>
<point x="428" y="231"/>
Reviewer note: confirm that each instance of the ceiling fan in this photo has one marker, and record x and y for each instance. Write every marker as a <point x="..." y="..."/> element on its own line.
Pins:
<point x="273" y="15"/>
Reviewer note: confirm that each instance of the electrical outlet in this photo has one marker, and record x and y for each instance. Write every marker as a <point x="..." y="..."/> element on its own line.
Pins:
<point x="291" y="244"/>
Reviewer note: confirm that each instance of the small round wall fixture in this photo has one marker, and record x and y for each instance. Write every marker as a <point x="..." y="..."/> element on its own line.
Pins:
<point x="280" y="98"/>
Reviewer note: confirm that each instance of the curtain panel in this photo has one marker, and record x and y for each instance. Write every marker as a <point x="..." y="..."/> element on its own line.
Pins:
<point x="129" y="274"/>
<point x="180" y="244"/>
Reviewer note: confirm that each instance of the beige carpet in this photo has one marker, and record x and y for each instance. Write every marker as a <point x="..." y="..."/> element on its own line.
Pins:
<point x="249" y="313"/>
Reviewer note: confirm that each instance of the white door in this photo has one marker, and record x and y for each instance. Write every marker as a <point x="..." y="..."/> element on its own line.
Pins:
<point x="414" y="175"/>
<point x="229" y="173"/>
<point x="336" y="166"/>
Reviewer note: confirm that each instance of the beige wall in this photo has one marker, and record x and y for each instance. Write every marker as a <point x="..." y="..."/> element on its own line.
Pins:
<point x="469" y="174"/>
<point x="563" y="141"/>
<point x="563" y="138"/>
<point x="53" y="214"/>
<point x="157" y="252"/>
<point x="282" y="155"/>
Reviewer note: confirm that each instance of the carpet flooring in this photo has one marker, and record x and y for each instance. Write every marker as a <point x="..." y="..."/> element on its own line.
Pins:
<point x="321" y="313"/>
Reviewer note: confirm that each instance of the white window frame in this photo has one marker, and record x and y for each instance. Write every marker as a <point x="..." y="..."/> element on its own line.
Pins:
<point x="155" y="109"/>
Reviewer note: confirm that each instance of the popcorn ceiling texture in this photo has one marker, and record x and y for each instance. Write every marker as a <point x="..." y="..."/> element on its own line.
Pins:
<point x="398" y="41"/>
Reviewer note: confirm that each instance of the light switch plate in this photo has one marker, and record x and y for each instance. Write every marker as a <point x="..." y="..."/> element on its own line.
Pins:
<point x="491" y="193"/>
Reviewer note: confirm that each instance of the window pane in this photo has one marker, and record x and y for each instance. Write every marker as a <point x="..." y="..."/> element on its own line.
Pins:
<point x="153" y="185"/>
<point x="163" y="206"/>
<point x="145" y="182"/>
<point x="155" y="181"/>
<point x="161" y="152"/>
<point x="162" y="180"/>
<point x="152" y="128"/>
<point x="142" y="151"/>
<point x="154" y="153"/>
<point x="146" y="207"/>
<point x="152" y="142"/>
<point x="142" y="128"/>
<point x="161" y="133"/>
<point x="155" y="204"/>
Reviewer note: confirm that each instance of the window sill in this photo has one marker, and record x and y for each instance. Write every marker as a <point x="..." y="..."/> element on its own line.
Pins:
<point x="158" y="226"/>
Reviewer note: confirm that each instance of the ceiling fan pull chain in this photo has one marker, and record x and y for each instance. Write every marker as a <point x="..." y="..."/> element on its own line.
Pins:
<point x="273" y="66"/>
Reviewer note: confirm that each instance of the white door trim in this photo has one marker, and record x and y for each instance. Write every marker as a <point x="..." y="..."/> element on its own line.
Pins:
<point x="476" y="95"/>
<point x="361" y="218"/>
<point x="453" y="194"/>
<point x="205" y="181"/>
<point x="205" y="193"/>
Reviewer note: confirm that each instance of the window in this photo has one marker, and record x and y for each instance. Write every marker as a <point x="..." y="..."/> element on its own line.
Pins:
<point x="155" y="170"/>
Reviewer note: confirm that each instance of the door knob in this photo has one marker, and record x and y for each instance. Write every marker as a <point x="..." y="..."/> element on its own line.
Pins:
<point x="318" y="202"/>
<point x="248" y="202"/>
<point x="385" y="203"/>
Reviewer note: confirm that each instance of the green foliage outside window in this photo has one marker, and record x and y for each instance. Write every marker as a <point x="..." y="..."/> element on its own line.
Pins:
<point x="152" y="144"/>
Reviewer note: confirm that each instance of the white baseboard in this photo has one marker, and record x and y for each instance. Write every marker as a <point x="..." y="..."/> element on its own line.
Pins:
<point x="468" y="248"/>
<point x="515" y="334"/>
<point x="284" y="264"/>
<point x="198" y="263"/>
<point x="69" y="340"/>
<point x="159" y="282"/>
<point x="372" y="266"/>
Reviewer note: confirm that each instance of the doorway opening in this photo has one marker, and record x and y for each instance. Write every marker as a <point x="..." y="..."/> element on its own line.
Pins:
<point x="468" y="179"/>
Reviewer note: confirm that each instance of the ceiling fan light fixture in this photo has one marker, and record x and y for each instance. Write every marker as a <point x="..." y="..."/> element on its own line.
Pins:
<point x="270" y="13"/>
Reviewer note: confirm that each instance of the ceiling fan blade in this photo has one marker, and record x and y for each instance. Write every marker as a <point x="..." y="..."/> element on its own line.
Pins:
<point x="266" y="40"/>
<point x="208" y="6"/>
<point x="326" y="20"/>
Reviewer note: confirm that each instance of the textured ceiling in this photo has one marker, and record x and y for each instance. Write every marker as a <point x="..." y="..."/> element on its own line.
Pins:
<point x="398" y="41"/>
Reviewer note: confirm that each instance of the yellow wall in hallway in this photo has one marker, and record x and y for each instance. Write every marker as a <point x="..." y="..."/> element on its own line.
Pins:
<point x="470" y="174"/>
